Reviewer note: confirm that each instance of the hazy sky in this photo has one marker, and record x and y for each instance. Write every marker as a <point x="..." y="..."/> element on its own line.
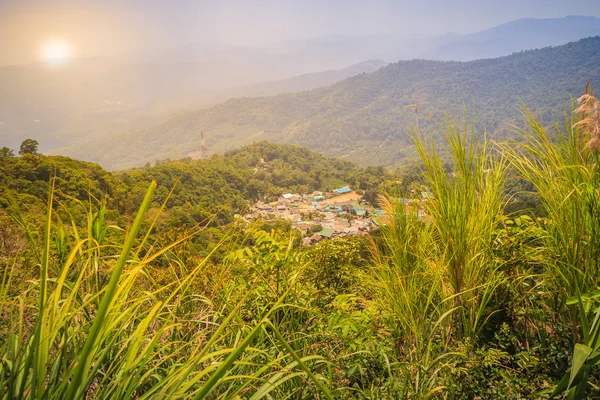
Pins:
<point x="110" y="27"/>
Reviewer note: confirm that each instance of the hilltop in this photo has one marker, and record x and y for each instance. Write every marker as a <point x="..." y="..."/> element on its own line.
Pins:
<point x="219" y="186"/>
<point x="365" y="118"/>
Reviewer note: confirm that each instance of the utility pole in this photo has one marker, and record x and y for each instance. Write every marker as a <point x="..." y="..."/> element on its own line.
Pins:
<point x="203" y="155"/>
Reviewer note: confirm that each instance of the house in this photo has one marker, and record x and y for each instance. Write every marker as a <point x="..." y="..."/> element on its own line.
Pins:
<point x="263" y="207"/>
<point x="326" y="233"/>
<point x="302" y="226"/>
<point x="343" y="190"/>
<point x="293" y="217"/>
<point x="319" y="198"/>
<point x="354" y="230"/>
<point x="347" y="208"/>
<point x="361" y="213"/>
<point x="287" y="196"/>
<point x="312" y="240"/>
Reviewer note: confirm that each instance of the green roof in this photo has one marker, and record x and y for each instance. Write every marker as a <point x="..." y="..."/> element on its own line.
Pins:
<point x="326" y="232"/>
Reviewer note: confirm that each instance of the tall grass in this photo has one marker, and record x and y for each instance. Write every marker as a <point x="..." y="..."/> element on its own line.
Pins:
<point x="465" y="208"/>
<point x="124" y="337"/>
<point x="564" y="171"/>
<point x="434" y="275"/>
<point x="408" y="292"/>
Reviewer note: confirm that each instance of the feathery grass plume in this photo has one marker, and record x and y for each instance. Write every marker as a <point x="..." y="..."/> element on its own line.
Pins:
<point x="589" y="110"/>
<point x="416" y="108"/>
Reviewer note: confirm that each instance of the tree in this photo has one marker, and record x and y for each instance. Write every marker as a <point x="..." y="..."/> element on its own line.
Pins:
<point x="5" y="152"/>
<point x="29" y="146"/>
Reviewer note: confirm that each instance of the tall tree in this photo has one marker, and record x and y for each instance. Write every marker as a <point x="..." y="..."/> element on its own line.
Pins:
<point x="5" y="152"/>
<point x="29" y="146"/>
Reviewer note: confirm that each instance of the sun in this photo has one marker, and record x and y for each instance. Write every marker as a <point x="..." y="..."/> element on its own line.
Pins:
<point x="55" y="52"/>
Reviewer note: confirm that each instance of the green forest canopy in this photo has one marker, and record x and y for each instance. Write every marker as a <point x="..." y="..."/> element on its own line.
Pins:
<point x="221" y="185"/>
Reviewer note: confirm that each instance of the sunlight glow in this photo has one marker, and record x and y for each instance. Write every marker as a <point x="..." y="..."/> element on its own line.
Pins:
<point x="55" y="52"/>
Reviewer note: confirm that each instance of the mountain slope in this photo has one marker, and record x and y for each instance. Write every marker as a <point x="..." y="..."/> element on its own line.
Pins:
<point x="294" y="84"/>
<point x="365" y="118"/>
<point x="53" y="105"/>
<point x="89" y="97"/>
<point x="514" y="36"/>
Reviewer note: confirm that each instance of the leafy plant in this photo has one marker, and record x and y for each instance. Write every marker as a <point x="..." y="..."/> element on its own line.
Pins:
<point x="586" y="355"/>
<point x="129" y="339"/>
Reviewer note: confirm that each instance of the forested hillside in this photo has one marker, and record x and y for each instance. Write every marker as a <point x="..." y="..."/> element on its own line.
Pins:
<point x="366" y="118"/>
<point x="215" y="188"/>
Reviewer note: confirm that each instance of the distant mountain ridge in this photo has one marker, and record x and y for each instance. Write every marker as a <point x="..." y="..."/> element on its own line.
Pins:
<point x="113" y="95"/>
<point x="365" y="118"/>
<point x="515" y="36"/>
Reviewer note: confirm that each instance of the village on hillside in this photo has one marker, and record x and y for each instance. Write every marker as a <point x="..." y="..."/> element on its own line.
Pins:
<point x="320" y="215"/>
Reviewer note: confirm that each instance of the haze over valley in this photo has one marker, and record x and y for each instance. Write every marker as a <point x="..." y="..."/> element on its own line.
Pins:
<point x="137" y="92"/>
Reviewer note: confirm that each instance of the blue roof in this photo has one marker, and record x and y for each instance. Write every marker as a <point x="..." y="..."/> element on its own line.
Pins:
<point x="345" y="189"/>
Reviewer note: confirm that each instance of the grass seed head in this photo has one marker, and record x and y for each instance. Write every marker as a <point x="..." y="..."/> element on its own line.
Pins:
<point x="589" y="110"/>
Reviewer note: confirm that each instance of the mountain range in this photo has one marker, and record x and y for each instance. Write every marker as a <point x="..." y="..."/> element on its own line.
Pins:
<point x="515" y="36"/>
<point x="102" y="97"/>
<point x="366" y="118"/>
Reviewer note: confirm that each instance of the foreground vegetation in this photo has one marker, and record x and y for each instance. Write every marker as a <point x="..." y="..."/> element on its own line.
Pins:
<point x="469" y="301"/>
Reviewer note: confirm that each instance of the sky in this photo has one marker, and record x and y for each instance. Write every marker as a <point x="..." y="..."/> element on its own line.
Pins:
<point x="111" y="27"/>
